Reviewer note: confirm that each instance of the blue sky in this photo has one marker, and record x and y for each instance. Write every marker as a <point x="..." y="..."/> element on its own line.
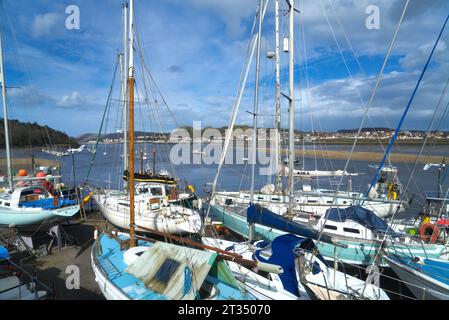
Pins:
<point x="196" y="50"/>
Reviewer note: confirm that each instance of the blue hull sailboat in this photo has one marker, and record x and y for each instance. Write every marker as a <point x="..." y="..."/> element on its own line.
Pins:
<point x="29" y="203"/>
<point x="427" y="279"/>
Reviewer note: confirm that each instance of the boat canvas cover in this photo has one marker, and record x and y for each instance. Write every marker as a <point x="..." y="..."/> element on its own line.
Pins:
<point x="4" y="254"/>
<point x="283" y="254"/>
<point x="361" y="215"/>
<point x="173" y="271"/>
<point x="259" y="215"/>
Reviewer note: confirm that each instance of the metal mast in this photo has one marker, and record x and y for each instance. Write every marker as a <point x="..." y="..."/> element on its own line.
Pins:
<point x="131" y="125"/>
<point x="256" y="110"/>
<point x="278" y="101"/>
<point x="291" y="156"/>
<point x="5" y="113"/>
<point x="124" y="93"/>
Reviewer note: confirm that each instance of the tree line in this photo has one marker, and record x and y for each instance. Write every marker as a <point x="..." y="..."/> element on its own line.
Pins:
<point x="34" y="135"/>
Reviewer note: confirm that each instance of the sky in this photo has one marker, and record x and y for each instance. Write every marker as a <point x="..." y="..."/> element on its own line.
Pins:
<point x="196" y="50"/>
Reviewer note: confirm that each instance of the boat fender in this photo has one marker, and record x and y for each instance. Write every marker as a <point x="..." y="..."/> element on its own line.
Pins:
<point x="424" y="232"/>
<point x="270" y="268"/>
<point x="191" y="189"/>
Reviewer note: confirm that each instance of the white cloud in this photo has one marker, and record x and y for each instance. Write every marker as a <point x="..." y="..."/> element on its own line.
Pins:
<point x="44" y="24"/>
<point x="75" y="99"/>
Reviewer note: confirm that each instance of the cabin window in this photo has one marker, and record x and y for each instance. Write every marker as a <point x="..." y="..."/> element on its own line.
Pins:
<point x="167" y="270"/>
<point x="351" y="230"/>
<point x="168" y="191"/>
<point x="1" y="203"/>
<point x="275" y="199"/>
<point x="143" y="190"/>
<point x="156" y="191"/>
<point x="123" y="204"/>
<point x="330" y="227"/>
<point x="7" y="204"/>
<point x="312" y="201"/>
<point x="345" y="202"/>
<point x="260" y="198"/>
<point x="329" y="202"/>
<point x="246" y="197"/>
<point x="229" y="202"/>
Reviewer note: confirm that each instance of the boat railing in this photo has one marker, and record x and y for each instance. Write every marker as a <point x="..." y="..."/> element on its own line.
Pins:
<point x="33" y="284"/>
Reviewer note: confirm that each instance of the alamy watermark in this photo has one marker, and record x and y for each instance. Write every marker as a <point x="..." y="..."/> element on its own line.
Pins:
<point x="372" y="22"/>
<point x="206" y="147"/>
<point x="73" y="21"/>
<point x="72" y="282"/>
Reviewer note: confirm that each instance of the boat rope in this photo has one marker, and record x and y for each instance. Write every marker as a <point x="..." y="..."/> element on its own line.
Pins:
<point x="242" y="85"/>
<point x="403" y="118"/>
<point x="108" y="103"/>
<point x="404" y="115"/>
<point x="368" y="106"/>
<point x="431" y="124"/>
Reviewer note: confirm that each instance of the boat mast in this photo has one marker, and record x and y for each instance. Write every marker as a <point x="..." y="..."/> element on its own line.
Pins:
<point x="291" y="156"/>
<point x="131" y="125"/>
<point x="5" y="113"/>
<point x="124" y="93"/>
<point x="256" y="110"/>
<point x="278" y="101"/>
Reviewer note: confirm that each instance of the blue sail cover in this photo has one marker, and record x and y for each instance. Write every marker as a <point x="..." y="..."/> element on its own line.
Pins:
<point x="361" y="215"/>
<point x="4" y="254"/>
<point x="259" y="215"/>
<point x="283" y="255"/>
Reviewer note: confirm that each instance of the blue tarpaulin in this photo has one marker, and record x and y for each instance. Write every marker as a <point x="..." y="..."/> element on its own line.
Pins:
<point x="4" y="254"/>
<point x="283" y="254"/>
<point x="361" y="215"/>
<point x="259" y="215"/>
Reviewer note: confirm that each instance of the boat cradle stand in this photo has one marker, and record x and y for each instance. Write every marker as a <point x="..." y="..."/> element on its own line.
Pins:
<point x="27" y="243"/>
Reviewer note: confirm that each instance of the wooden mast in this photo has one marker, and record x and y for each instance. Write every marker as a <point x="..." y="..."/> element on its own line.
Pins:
<point x="131" y="126"/>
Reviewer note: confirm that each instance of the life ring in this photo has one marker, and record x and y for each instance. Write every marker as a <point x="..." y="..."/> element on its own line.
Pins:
<point x="424" y="232"/>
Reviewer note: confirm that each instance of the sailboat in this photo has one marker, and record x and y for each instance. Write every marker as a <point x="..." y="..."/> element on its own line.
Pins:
<point x="29" y="202"/>
<point x="159" y="204"/>
<point x="427" y="279"/>
<point x="313" y="201"/>
<point x="305" y="275"/>
<point x="276" y="215"/>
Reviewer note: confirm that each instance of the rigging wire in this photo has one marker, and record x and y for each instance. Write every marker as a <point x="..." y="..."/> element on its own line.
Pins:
<point x="387" y="57"/>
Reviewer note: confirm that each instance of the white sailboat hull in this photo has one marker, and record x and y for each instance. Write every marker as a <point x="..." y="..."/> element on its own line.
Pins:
<point x="316" y="204"/>
<point x="171" y="219"/>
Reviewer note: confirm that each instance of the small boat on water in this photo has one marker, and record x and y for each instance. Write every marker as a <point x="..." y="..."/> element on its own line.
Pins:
<point x="427" y="279"/>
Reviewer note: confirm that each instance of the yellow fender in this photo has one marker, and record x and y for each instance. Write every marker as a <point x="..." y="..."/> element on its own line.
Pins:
<point x="86" y="199"/>
<point x="191" y="188"/>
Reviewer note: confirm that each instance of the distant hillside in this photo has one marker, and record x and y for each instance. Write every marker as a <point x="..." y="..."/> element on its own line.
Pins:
<point x="34" y="135"/>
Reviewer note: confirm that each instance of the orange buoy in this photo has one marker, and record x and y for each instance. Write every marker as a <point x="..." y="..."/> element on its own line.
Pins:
<point x="429" y="232"/>
<point x="22" y="173"/>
